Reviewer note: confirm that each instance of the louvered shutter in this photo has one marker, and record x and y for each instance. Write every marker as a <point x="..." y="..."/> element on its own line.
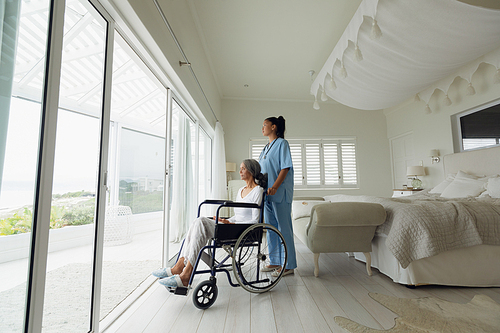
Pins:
<point x="257" y="149"/>
<point x="296" y="151"/>
<point x="349" y="173"/>
<point x="313" y="164"/>
<point x="331" y="163"/>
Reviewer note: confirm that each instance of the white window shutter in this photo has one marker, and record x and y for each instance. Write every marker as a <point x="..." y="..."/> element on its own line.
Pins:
<point x="349" y="173"/>
<point x="319" y="163"/>
<point x="331" y="163"/>
<point x="296" y="151"/>
<point x="257" y="149"/>
<point x="313" y="162"/>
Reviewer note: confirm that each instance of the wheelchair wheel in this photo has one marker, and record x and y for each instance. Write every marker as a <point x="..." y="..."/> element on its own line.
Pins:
<point x="205" y="294"/>
<point x="250" y="254"/>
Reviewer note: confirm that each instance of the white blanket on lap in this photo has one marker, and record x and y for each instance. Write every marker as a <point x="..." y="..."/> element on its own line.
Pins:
<point x="425" y="225"/>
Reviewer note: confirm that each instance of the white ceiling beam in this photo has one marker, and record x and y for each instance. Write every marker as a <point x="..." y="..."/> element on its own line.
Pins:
<point x="68" y="38"/>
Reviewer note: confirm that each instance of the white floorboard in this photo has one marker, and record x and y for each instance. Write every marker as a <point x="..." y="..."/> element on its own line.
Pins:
<point x="299" y="303"/>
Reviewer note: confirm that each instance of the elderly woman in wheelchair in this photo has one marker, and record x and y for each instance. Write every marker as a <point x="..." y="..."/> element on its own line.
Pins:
<point x="203" y="228"/>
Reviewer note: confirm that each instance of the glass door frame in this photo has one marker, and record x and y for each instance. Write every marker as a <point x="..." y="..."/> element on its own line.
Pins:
<point x="45" y="169"/>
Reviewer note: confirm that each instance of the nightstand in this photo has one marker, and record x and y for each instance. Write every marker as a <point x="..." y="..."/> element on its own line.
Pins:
<point x="404" y="192"/>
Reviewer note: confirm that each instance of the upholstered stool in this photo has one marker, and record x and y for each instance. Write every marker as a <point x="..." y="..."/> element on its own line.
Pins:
<point x="340" y="227"/>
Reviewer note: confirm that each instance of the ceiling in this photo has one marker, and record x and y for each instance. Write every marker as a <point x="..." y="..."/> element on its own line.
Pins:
<point x="269" y="45"/>
<point x="272" y="45"/>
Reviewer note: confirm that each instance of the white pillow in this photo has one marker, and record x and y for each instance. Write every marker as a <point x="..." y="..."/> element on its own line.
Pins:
<point x="464" y="185"/>
<point x="444" y="184"/>
<point x="493" y="187"/>
<point x="303" y="208"/>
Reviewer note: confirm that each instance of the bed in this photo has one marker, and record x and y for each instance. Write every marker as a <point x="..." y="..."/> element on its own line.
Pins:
<point x="429" y="239"/>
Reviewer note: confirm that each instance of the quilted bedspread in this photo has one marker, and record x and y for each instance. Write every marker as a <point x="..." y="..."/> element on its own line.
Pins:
<point x="424" y="225"/>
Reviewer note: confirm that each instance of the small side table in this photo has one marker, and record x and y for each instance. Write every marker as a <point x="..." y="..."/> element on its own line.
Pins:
<point x="405" y="192"/>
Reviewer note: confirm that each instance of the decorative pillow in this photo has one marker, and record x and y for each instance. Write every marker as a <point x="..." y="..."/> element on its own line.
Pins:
<point x="444" y="184"/>
<point x="303" y="208"/>
<point x="493" y="187"/>
<point x="464" y="185"/>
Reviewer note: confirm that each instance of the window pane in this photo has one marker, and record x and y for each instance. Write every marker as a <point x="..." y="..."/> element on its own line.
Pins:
<point x="22" y="71"/>
<point x="76" y="165"/>
<point x="330" y="159"/>
<point x="313" y="164"/>
<point x="349" y="164"/>
<point x="478" y="143"/>
<point x="133" y="227"/>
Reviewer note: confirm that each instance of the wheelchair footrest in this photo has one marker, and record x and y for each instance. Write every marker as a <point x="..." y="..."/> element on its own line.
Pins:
<point x="178" y="290"/>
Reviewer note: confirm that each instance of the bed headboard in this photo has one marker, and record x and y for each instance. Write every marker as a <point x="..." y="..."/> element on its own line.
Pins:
<point x="477" y="162"/>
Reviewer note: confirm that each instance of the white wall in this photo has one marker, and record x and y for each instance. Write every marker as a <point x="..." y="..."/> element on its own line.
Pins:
<point x="242" y="120"/>
<point x="433" y="131"/>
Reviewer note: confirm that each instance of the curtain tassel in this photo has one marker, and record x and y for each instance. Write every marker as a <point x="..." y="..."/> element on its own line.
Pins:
<point x="427" y="109"/>
<point x="324" y="98"/>
<point x="376" y="33"/>
<point x="343" y="72"/>
<point x="470" y="90"/>
<point x="447" y="100"/>
<point x="331" y="84"/>
<point x="315" y="104"/>
<point x="357" y="53"/>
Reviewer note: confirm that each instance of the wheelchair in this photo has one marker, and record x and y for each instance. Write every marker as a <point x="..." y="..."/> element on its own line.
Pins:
<point x="247" y="251"/>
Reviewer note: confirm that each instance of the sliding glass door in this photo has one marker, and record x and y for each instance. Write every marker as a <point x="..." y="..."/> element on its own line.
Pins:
<point x="76" y="241"/>
<point x="69" y="272"/>
<point x="133" y="227"/>
<point x="21" y="88"/>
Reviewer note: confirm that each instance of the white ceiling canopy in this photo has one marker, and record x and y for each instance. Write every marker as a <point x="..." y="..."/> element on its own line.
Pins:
<point x="392" y="50"/>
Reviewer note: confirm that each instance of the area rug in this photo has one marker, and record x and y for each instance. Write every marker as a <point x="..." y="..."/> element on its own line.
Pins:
<point x="429" y="314"/>
<point x="67" y="297"/>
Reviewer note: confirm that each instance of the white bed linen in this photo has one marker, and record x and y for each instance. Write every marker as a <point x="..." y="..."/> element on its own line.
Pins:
<point x="424" y="225"/>
<point x="476" y="266"/>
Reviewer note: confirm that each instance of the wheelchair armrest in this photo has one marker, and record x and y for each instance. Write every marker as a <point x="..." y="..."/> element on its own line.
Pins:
<point x="240" y="204"/>
<point x="215" y="202"/>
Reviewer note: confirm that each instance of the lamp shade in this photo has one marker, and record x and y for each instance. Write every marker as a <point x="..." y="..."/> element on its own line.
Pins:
<point x="415" y="171"/>
<point x="230" y="167"/>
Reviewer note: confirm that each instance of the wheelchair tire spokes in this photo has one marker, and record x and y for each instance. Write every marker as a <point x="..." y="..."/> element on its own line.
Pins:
<point x="248" y="260"/>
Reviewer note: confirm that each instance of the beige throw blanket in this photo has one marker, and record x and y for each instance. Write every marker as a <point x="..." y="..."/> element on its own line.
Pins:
<point x="425" y="225"/>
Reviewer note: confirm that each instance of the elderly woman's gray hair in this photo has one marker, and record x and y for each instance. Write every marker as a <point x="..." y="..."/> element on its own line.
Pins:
<point x="254" y="168"/>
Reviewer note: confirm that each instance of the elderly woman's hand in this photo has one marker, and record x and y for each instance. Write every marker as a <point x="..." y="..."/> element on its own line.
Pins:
<point x="225" y="221"/>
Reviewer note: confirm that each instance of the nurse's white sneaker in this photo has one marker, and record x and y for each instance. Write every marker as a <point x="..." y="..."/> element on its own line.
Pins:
<point x="277" y="272"/>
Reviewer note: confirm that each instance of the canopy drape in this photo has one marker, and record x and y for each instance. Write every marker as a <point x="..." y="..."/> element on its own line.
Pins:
<point x="394" y="49"/>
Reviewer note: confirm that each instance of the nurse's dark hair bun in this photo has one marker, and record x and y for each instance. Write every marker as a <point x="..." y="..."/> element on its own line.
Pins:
<point x="280" y="125"/>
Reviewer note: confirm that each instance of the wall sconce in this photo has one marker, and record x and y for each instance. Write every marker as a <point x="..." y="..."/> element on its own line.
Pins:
<point x="415" y="171"/>
<point x="230" y="167"/>
<point x="434" y="154"/>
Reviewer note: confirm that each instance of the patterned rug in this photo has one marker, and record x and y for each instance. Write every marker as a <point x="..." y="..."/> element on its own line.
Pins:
<point x="481" y="314"/>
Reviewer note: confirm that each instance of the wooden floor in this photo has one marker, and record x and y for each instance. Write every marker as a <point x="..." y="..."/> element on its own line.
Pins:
<point x="299" y="303"/>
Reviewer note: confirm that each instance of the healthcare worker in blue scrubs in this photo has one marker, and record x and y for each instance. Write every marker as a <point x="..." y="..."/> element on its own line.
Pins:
<point x="276" y="160"/>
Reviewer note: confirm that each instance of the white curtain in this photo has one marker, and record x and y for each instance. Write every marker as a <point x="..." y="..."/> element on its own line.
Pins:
<point x="9" y="26"/>
<point x="183" y="203"/>
<point x="219" y="190"/>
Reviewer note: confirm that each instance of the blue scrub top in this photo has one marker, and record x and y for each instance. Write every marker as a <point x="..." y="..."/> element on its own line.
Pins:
<point x="275" y="157"/>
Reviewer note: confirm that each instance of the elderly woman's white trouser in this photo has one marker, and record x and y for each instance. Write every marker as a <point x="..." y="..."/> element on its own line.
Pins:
<point x="197" y="236"/>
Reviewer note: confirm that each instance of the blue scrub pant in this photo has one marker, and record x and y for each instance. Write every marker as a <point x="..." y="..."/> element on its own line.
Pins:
<point x="279" y="216"/>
